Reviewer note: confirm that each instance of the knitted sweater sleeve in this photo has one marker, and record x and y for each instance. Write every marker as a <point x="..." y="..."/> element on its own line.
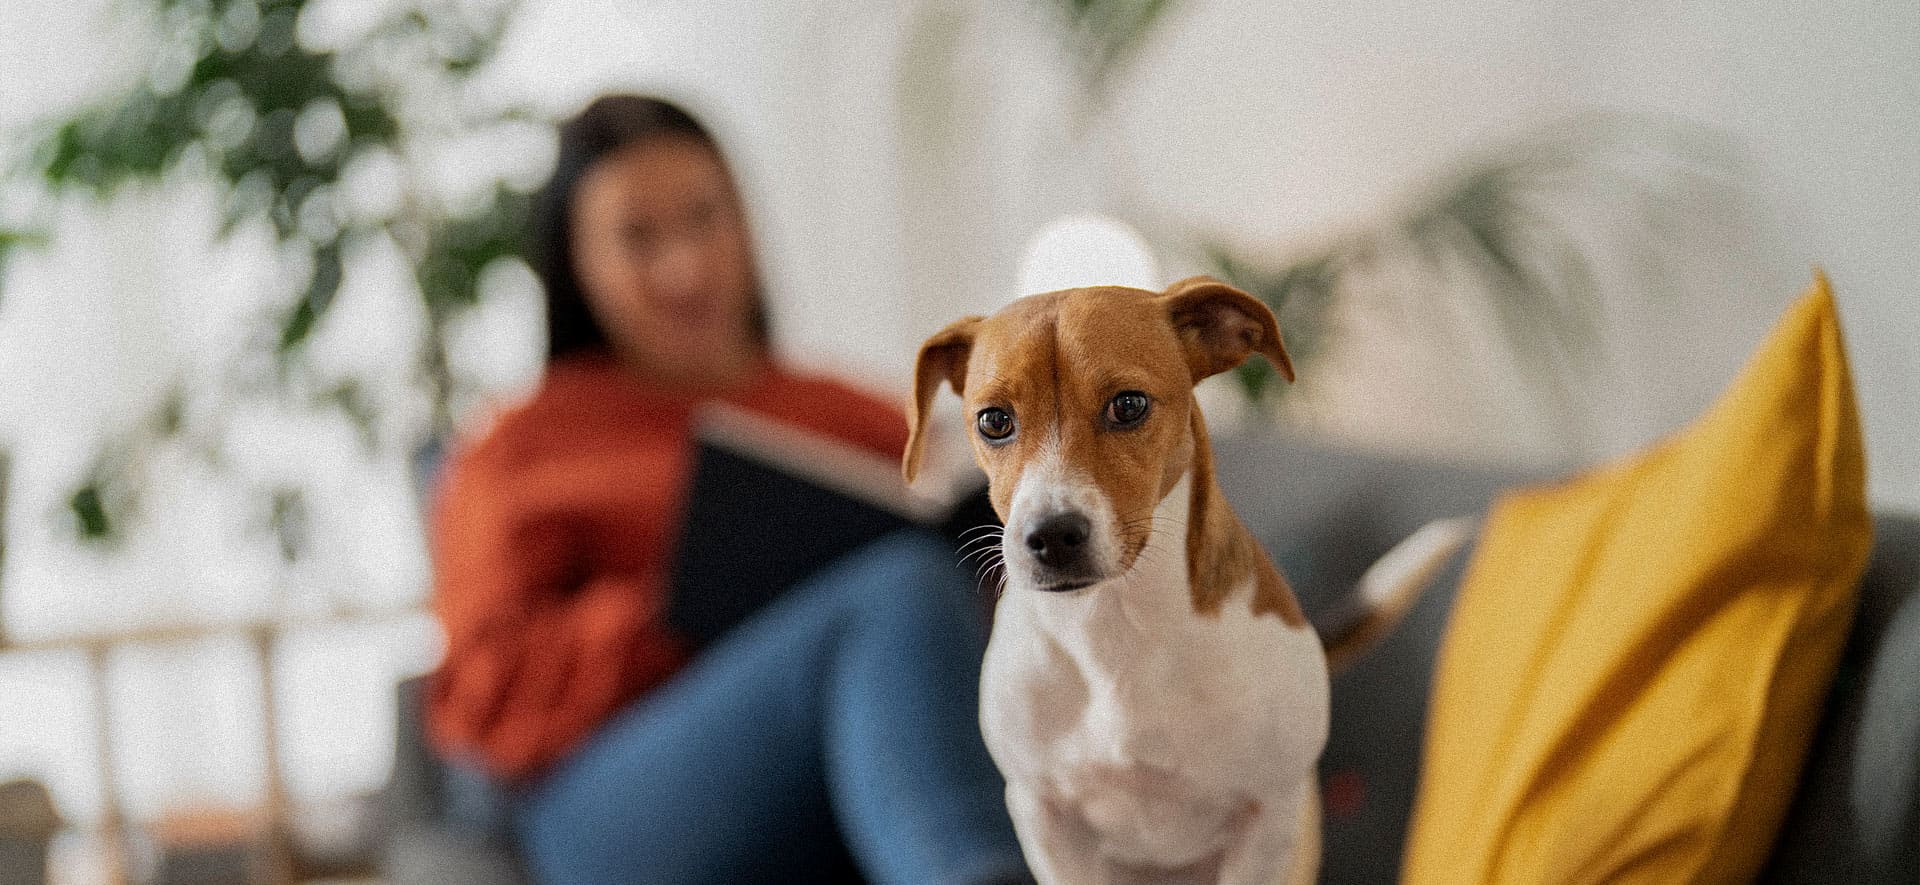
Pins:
<point x="544" y="640"/>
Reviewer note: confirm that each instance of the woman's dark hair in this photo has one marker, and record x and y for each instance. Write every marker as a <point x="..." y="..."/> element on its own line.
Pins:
<point x="610" y="123"/>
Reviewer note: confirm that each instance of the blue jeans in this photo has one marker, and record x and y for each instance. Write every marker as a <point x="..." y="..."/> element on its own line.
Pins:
<point x="845" y="712"/>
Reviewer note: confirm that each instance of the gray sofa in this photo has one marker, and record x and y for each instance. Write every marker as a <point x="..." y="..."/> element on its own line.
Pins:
<point x="1326" y="515"/>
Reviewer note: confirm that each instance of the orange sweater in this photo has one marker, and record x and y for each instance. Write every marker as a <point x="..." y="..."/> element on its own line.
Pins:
<point x="551" y="540"/>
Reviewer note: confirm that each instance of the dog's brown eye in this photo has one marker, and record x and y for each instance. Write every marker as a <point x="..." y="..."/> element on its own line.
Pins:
<point x="995" y="424"/>
<point x="1127" y="408"/>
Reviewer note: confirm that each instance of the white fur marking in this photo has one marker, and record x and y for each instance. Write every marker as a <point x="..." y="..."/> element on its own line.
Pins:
<point x="1049" y="485"/>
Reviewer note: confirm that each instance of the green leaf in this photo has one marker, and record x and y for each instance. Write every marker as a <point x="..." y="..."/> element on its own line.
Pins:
<point x="1106" y="33"/>
<point x="458" y="250"/>
<point x="11" y="240"/>
<point x="289" y="522"/>
<point x="322" y="286"/>
<point x="350" y="398"/>
<point x="90" y="513"/>
<point x="367" y="120"/>
<point x="255" y="88"/>
<point x="1255" y="377"/>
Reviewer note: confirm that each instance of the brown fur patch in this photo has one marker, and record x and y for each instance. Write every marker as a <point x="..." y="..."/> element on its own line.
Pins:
<point x="1220" y="325"/>
<point x="1220" y="550"/>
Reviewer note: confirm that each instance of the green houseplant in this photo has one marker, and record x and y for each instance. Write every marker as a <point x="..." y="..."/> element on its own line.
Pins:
<point x="240" y="94"/>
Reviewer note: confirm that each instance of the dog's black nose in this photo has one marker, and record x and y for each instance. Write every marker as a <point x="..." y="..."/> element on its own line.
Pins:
<point x="1059" y="540"/>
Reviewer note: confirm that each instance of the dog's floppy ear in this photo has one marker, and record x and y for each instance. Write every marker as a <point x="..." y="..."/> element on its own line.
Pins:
<point x="1219" y="326"/>
<point x="942" y="358"/>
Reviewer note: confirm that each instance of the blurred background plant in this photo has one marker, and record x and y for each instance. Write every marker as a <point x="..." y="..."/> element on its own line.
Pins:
<point x="326" y="136"/>
<point x="1526" y="231"/>
<point x="1512" y="230"/>
<point x="1104" y="34"/>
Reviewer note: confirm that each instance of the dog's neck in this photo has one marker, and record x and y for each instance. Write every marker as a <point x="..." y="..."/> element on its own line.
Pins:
<point x="1220" y="550"/>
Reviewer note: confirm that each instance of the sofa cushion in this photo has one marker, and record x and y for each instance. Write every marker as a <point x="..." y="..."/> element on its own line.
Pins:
<point x="1637" y="659"/>
<point x="1856" y="817"/>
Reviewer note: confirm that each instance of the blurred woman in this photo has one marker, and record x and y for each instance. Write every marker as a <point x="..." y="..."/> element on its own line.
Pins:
<point x="843" y="714"/>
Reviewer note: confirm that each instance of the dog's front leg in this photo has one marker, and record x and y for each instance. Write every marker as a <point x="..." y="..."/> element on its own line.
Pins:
<point x="1060" y="848"/>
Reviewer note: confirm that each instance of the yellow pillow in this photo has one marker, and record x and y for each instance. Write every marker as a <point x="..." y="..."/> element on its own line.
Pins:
<point x="1638" y="656"/>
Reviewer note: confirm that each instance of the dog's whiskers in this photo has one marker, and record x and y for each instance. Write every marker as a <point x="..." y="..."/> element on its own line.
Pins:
<point x="981" y="546"/>
<point x="987" y="564"/>
<point x="1153" y="521"/>
<point x="987" y="540"/>
<point x="987" y="573"/>
<point x="987" y="529"/>
<point x="981" y="551"/>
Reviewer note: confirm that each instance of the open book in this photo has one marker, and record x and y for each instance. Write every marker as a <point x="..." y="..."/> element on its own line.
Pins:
<point x="771" y="504"/>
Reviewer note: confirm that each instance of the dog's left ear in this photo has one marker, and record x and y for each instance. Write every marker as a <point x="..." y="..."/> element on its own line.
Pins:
<point x="1219" y="326"/>
<point x="942" y="358"/>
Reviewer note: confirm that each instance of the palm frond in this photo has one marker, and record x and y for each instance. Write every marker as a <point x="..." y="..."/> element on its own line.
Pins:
<point x="11" y="240"/>
<point x="1104" y="34"/>
<point x="1513" y="228"/>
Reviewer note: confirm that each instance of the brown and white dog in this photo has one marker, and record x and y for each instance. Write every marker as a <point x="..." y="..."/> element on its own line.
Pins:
<point x="1151" y="691"/>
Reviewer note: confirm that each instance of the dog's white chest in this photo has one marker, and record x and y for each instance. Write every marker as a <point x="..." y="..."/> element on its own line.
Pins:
<point x="1162" y="729"/>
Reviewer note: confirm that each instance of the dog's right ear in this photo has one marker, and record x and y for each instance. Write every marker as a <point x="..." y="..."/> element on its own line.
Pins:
<point x="942" y="358"/>
<point x="1220" y="326"/>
